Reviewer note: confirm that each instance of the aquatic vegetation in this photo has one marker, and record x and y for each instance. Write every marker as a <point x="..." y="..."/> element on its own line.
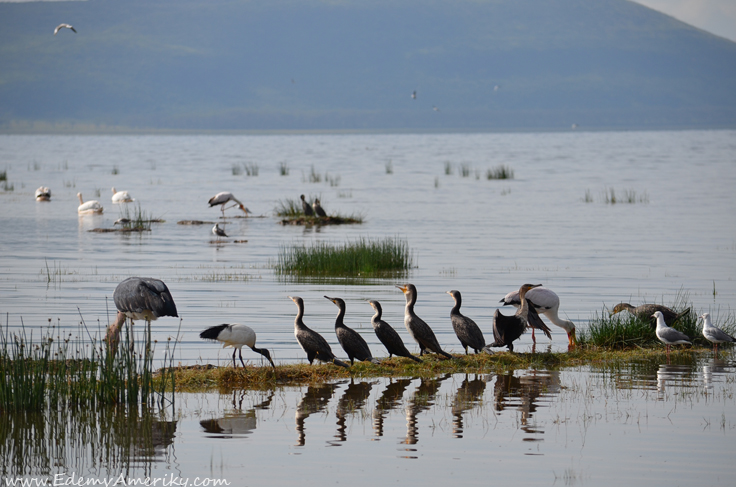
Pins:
<point x="251" y="169"/>
<point x="136" y="220"/>
<point x="289" y="208"/>
<point x="448" y="168"/>
<point x="314" y="176"/>
<point x="389" y="167"/>
<point x="464" y="170"/>
<point x="115" y="170"/>
<point x="4" y="175"/>
<point x="283" y="168"/>
<point x="610" y="197"/>
<point x="236" y="169"/>
<point x="364" y="257"/>
<point x="500" y="172"/>
<point x="291" y="212"/>
<point x="4" y="179"/>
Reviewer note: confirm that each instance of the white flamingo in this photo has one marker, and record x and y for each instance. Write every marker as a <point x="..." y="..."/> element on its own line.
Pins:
<point x="89" y="208"/>
<point x="222" y="198"/>
<point x="121" y="196"/>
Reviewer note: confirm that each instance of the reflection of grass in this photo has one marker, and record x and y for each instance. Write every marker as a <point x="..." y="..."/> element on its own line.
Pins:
<point x="364" y="257"/>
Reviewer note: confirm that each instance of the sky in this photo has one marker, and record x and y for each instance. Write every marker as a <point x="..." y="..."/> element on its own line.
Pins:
<point x="715" y="16"/>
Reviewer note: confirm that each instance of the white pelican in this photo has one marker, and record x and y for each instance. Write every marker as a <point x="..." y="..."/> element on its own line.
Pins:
<point x="43" y="194"/>
<point x="217" y="231"/>
<point x="120" y="196"/>
<point x="669" y="336"/>
<point x="546" y="302"/>
<point x="88" y="208"/>
<point x="222" y="198"/>
<point x="64" y="26"/>
<point x="235" y="336"/>
<point x="714" y="334"/>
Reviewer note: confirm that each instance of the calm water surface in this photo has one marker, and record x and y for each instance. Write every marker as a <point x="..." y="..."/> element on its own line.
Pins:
<point x="659" y="425"/>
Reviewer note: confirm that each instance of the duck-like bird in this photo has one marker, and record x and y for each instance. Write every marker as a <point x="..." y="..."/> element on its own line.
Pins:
<point x="466" y="330"/>
<point x="669" y="336"/>
<point x="350" y="340"/>
<point x="645" y="313"/>
<point x="306" y="207"/>
<point x="121" y="196"/>
<point x="140" y="298"/>
<point x="312" y="342"/>
<point x="417" y="328"/>
<point x="224" y="197"/>
<point x="43" y="194"/>
<point x="88" y="208"/>
<point x="714" y="334"/>
<point x="317" y="207"/>
<point x="506" y="329"/>
<point x="64" y="26"/>
<point x="236" y="336"/>
<point x="388" y="336"/>
<point x="546" y="302"/>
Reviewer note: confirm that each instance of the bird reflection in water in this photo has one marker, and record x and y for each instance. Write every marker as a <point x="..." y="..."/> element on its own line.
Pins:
<point x="391" y="398"/>
<point x="314" y="401"/>
<point x="352" y="400"/>
<point x="714" y="369"/>
<point x="421" y="400"/>
<point x="468" y="395"/>
<point x="674" y="376"/>
<point x="236" y="423"/>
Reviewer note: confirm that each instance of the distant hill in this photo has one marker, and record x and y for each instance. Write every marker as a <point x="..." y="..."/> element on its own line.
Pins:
<point x="353" y="64"/>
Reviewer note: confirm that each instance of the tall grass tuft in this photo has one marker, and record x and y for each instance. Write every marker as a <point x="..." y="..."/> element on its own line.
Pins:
<point x="500" y="172"/>
<point x="364" y="257"/>
<point x="289" y="208"/>
<point x="283" y="169"/>
<point x="136" y="220"/>
<point x="464" y="170"/>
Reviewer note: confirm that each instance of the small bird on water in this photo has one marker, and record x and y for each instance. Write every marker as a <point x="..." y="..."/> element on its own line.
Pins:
<point x="217" y="231"/>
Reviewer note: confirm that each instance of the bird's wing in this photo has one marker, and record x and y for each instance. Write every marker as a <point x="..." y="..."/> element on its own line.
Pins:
<point x="137" y="294"/>
<point x="535" y="321"/>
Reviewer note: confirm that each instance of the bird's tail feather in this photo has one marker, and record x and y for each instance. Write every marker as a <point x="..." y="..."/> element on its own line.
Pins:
<point x="340" y="363"/>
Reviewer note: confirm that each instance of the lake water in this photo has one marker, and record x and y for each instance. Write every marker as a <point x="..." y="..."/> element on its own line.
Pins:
<point x="482" y="237"/>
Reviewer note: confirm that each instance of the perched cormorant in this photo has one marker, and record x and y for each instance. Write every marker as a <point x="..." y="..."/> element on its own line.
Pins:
<point x="417" y="328"/>
<point x="388" y="336"/>
<point x="645" y="312"/>
<point x="312" y="342"/>
<point x="350" y="340"/>
<point x="235" y="335"/>
<point x="506" y="329"/>
<point x="669" y="336"/>
<point x="306" y="207"/>
<point x="546" y="302"/>
<point x="714" y="334"/>
<point x="466" y="330"/>
<point x="318" y="208"/>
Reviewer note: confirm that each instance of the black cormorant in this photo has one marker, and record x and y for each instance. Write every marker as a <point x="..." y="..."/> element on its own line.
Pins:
<point x="418" y="329"/>
<point x="312" y="342"/>
<point x="466" y="330"/>
<point x="388" y="336"/>
<point x="350" y="340"/>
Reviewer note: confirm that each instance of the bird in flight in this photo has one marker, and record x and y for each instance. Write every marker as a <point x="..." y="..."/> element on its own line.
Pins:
<point x="64" y="26"/>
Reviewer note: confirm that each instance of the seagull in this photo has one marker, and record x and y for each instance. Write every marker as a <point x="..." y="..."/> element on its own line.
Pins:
<point x="235" y="335"/>
<point x="217" y="231"/>
<point x="222" y="198"/>
<point x="121" y="196"/>
<point x="43" y="194"/>
<point x="714" y="334"/>
<point x="64" y="26"/>
<point x="669" y="336"/>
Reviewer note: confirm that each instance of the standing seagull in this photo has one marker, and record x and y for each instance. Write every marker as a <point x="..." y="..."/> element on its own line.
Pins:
<point x="466" y="330"/>
<point x="312" y="342"/>
<point x="417" y="328"/>
<point x="306" y="207"/>
<point x="350" y="340"/>
<point x="217" y="231"/>
<point x="43" y="194"/>
<point x="318" y="208"/>
<point x="388" y="336"/>
<point x="139" y="298"/>
<point x="222" y="198"/>
<point x="546" y="302"/>
<point x="121" y="196"/>
<point x="88" y="208"/>
<point x="64" y="26"/>
<point x="714" y="334"/>
<point x="506" y="329"/>
<point x="669" y="336"/>
<point x="235" y="335"/>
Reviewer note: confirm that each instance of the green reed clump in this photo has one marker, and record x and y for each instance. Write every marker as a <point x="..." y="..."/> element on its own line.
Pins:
<point x="289" y="208"/>
<point x="4" y="175"/>
<point x="136" y="219"/>
<point x="361" y="257"/>
<point x="283" y="169"/>
<point x="500" y="172"/>
<point x="619" y="331"/>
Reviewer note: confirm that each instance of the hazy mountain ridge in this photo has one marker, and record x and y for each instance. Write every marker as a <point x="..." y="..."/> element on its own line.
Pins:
<point x="283" y="64"/>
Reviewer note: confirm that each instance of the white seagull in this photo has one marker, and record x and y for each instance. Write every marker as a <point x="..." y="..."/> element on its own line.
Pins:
<point x="88" y="208"/>
<point x="546" y="302"/>
<point x="217" y="231"/>
<point x="121" y="196"/>
<point x="43" y="194"/>
<point x="222" y="198"/>
<point x="669" y="336"/>
<point x="714" y="334"/>
<point x="64" y="26"/>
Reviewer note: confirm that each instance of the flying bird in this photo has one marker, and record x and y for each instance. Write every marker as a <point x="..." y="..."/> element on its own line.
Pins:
<point x="64" y="26"/>
<point x="388" y="336"/>
<point x="140" y="298"/>
<point x="714" y="334"/>
<point x="121" y="196"/>
<point x="669" y="336"/>
<point x="306" y="207"/>
<point x="350" y="340"/>
<point x="217" y="231"/>
<point x="417" y="328"/>
<point x="43" y="194"/>
<point x="224" y="197"/>
<point x="466" y="330"/>
<point x="236" y="336"/>
<point x="88" y="208"/>
<point x="546" y="302"/>
<point x="312" y="342"/>
<point x="414" y="95"/>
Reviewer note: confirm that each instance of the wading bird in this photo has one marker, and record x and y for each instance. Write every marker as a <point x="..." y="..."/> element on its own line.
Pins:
<point x="388" y="336"/>
<point x="417" y="328"/>
<point x="312" y="342"/>
<point x="546" y="302"/>
<point x="88" y="208"/>
<point x="236" y="336"/>
<point x="64" y="26"/>
<point x="306" y="207"/>
<point x="714" y="334"/>
<point x="645" y="312"/>
<point x="466" y="330"/>
<point x="350" y="340"/>
<point x="223" y="198"/>
<point x="318" y="208"/>
<point x="506" y="329"/>
<point x="669" y="336"/>
<point x="139" y="298"/>
<point x="121" y="196"/>
<point x="43" y="194"/>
